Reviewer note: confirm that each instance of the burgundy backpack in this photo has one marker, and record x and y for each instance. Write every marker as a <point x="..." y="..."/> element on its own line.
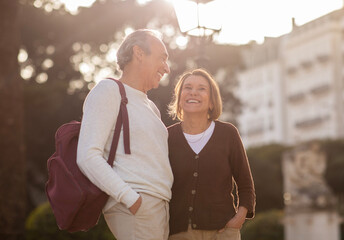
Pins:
<point x="76" y="202"/>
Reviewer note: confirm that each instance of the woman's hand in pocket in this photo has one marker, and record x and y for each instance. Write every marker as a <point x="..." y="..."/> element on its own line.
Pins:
<point x="237" y="221"/>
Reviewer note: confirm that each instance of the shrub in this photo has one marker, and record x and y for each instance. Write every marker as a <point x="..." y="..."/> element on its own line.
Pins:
<point x="41" y="225"/>
<point x="265" y="162"/>
<point x="265" y="226"/>
<point x="335" y="164"/>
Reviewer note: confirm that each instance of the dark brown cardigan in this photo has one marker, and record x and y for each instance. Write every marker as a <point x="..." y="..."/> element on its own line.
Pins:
<point x="202" y="188"/>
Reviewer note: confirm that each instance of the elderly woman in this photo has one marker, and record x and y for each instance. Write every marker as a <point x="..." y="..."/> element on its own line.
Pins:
<point x="207" y="158"/>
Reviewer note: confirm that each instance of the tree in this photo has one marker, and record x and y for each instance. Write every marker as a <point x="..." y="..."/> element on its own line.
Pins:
<point x="12" y="170"/>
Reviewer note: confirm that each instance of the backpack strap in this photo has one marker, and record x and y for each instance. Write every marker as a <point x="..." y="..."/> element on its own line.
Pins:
<point x="122" y="119"/>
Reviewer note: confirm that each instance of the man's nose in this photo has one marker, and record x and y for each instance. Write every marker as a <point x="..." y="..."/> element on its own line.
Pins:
<point x="167" y="68"/>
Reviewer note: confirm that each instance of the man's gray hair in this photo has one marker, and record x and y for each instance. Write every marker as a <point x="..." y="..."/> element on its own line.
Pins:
<point x="140" y="38"/>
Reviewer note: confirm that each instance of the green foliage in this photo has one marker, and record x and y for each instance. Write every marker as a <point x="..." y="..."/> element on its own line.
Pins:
<point x="41" y="225"/>
<point x="335" y="173"/>
<point x="335" y="165"/>
<point x="266" y="170"/>
<point x="265" y="226"/>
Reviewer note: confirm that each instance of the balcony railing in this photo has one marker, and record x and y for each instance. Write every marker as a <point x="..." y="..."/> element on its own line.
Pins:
<point x="310" y="122"/>
<point x="296" y="97"/>
<point x="291" y="70"/>
<point x="306" y="64"/>
<point x="322" y="58"/>
<point x="255" y="130"/>
<point x="321" y="88"/>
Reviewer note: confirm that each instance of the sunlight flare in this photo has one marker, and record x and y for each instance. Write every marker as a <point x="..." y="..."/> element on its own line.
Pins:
<point x="247" y="20"/>
<point x="72" y="6"/>
<point x="22" y="56"/>
<point x="47" y="63"/>
<point x="192" y="17"/>
<point x="27" y="72"/>
<point x="42" y="78"/>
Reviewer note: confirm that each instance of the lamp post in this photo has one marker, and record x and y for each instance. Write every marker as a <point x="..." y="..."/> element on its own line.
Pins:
<point x="200" y="19"/>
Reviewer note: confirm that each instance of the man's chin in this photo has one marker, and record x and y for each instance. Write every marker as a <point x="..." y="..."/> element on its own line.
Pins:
<point x="156" y="85"/>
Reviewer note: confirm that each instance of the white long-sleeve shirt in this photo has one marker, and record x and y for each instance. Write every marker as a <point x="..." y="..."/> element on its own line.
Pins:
<point x="147" y="168"/>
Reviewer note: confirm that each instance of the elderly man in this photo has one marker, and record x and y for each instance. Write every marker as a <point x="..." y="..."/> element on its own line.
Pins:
<point x="139" y="184"/>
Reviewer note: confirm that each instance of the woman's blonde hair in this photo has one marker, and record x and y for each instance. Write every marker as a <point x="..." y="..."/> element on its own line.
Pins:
<point x="174" y="109"/>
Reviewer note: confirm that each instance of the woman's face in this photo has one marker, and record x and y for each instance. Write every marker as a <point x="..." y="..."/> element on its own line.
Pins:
<point x="195" y="96"/>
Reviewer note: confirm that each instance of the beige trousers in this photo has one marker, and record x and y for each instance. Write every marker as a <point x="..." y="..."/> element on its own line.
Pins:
<point x="191" y="234"/>
<point x="149" y="223"/>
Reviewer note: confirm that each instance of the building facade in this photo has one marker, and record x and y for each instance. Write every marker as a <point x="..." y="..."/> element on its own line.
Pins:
<point x="292" y="86"/>
<point x="261" y="120"/>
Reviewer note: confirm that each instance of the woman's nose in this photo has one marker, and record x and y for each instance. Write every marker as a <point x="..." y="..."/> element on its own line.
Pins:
<point x="193" y="91"/>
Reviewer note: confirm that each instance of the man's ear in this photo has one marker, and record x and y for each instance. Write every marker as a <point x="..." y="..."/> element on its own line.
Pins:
<point x="138" y="52"/>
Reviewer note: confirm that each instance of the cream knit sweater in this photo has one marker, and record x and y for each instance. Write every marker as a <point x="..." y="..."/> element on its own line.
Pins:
<point x="147" y="168"/>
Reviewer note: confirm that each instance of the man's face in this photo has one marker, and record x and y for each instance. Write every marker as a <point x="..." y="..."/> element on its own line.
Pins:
<point x="155" y="64"/>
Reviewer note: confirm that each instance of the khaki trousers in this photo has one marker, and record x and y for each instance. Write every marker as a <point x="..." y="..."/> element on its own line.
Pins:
<point x="191" y="234"/>
<point x="149" y="223"/>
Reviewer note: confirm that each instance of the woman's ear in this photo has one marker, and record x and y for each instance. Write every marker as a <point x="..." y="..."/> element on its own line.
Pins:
<point x="138" y="53"/>
<point x="211" y="106"/>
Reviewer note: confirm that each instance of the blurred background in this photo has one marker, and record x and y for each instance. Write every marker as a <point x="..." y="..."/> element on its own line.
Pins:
<point x="279" y="65"/>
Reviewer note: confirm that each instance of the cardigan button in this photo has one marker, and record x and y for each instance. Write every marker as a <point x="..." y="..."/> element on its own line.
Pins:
<point x="196" y="157"/>
<point x="193" y="192"/>
<point x="194" y="225"/>
<point x="195" y="174"/>
<point x="190" y="209"/>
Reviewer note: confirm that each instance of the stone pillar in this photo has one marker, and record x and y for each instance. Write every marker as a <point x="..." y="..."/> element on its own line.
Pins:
<point x="310" y="206"/>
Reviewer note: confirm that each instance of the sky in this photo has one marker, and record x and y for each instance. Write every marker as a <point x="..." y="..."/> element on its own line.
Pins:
<point x="246" y="20"/>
